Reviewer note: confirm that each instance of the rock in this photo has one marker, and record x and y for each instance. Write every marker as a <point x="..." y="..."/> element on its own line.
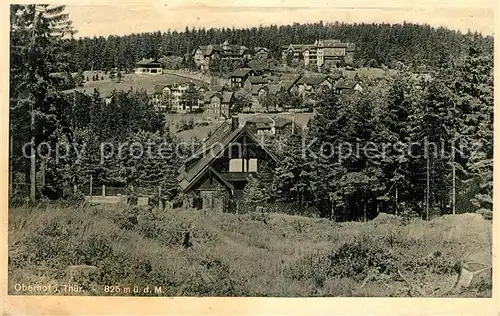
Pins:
<point x="77" y="273"/>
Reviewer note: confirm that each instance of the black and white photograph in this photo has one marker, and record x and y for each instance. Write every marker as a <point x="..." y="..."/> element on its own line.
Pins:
<point x="206" y="149"/>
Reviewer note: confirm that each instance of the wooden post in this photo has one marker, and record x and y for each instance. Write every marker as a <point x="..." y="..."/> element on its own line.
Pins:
<point x="90" y="189"/>
<point x="397" y="206"/>
<point x="160" y="204"/>
<point x="103" y="190"/>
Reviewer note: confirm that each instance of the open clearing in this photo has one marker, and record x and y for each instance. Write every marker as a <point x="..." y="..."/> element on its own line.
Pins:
<point x="255" y="254"/>
<point x="134" y="81"/>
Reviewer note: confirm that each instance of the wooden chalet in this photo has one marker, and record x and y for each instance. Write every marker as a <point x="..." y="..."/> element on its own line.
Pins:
<point x="220" y="168"/>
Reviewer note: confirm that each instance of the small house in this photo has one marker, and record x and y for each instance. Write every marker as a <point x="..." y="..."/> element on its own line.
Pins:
<point x="148" y="67"/>
<point x="217" y="105"/>
<point x="239" y="76"/>
<point x="347" y="87"/>
<point x="219" y="169"/>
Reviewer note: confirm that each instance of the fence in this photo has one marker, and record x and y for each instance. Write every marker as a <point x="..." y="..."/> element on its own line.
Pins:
<point x="242" y="207"/>
<point x="103" y="190"/>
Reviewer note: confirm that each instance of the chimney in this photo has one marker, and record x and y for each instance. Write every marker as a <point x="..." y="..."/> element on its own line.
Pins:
<point x="234" y="122"/>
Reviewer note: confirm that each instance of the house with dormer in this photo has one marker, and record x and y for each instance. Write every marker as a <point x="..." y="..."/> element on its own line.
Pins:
<point x="220" y="168"/>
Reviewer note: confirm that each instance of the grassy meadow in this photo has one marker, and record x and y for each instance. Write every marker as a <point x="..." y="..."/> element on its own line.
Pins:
<point x="255" y="254"/>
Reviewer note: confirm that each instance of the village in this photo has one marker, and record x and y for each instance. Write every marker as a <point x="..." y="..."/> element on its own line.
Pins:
<point x="262" y="85"/>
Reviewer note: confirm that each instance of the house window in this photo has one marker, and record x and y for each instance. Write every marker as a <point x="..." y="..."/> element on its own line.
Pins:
<point x="243" y="165"/>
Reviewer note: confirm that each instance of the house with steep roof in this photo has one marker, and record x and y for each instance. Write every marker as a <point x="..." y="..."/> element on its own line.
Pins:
<point x="260" y="68"/>
<point x="330" y="51"/>
<point x="171" y="96"/>
<point x="252" y="82"/>
<point x="347" y="87"/>
<point x="239" y="76"/>
<point x="290" y="84"/>
<point x="219" y="169"/>
<point x="217" y="105"/>
<point x="261" y="52"/>
<point x="311" y="85"/>
<point x="225" y="51"/>
<point x="148" y="67"/>
<point x="270" y="125"/>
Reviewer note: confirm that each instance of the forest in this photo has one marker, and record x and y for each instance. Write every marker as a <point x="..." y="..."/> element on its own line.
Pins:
<point x="411" y="44"/>
<point x="451" y="105"/>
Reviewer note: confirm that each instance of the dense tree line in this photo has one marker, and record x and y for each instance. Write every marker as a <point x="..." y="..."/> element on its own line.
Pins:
<point x="376" y="43"/>
<point x="73" y="134"/>
<point x="401" y="146"/>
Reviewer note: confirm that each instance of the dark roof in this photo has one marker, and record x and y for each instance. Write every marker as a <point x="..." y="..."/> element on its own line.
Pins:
<point x="336" y="76"/>
<point x="345" y="85"/>
<point x="224" y="96"/>
<point x="223" y="137"/>
<point x="218" y="88"/>
<point x="312" y="80"/>
<point x="242" y="72"/>
<point x="256" y="80"/>
<point x="256" y="49"/>
<point x="266" y="121"/>
<point x="232" y="50"/>
<point x="208" y="95"/>
<point x="148" y="62"/>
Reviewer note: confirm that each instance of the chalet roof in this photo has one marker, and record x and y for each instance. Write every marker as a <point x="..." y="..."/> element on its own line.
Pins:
<point x="217" y="88"/>
<point x="208" y="95"/>
<point x="214" y="147"/>
<point x="336" y="76"/>
<point x="240" y="73"/>
<point x="232" y="50"/>
<point x="256" y="80"/>
<point x="224" y="96"/>
<point x="266" y="121"/>
<point x="256" y="49"/>
<point x="312" y="80"/>
<point x="148" y="62"/>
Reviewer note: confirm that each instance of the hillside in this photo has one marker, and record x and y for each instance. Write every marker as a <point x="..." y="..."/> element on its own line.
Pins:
<point x="242" y="255"/>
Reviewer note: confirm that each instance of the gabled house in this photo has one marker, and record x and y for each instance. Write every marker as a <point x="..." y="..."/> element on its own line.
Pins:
<point x="171" y="96"/>
<point x="255" y="81"/>
<point x="311" y="85"/>
<point x="239" y="76"/>
<point x="148" y="67"/>
<point x="225" y="51"/>
<point x="269" y="125"/>
<point x="261" y="52"/>
<point x="217" y="105"/>
<point x="219" y="169"/>
<point x="290" y="84"/>
<point x="347" y="87"/>
<point x="260" y="68"/>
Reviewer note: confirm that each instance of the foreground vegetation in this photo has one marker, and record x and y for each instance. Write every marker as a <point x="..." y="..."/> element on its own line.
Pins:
<point x="253" y="254"/>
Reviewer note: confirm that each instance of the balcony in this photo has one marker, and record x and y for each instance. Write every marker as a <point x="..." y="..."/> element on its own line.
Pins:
<point x="236" y="176"/>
